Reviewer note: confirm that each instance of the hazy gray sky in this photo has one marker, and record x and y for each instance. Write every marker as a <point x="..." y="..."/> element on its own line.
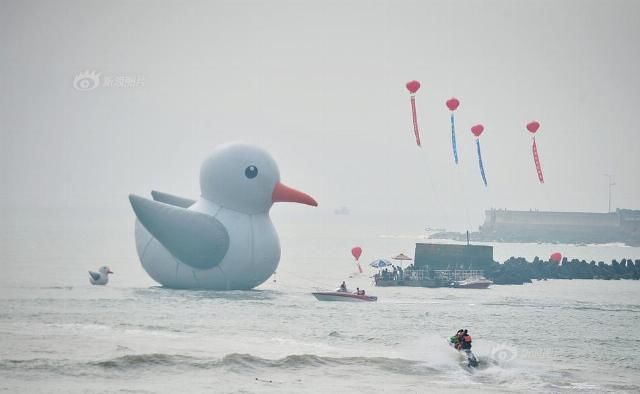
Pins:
<point x="320" y="84"/>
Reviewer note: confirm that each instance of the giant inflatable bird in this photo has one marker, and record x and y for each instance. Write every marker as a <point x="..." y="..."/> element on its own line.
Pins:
<point x="225" y="240"/>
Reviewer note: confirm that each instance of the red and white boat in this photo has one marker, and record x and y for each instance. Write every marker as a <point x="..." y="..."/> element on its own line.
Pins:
<point x="343" y="296"/>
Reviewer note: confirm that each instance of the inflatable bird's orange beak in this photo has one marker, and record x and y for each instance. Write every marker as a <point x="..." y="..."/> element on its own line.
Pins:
<point x="283" y="193"/>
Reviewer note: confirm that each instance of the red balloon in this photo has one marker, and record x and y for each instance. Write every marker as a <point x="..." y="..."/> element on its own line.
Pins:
<point x="413" y="86"/>
<point x="356" y="252"/>
<point x="453" y="103"/>
<point x="557" y="257"/>
<point x="477" y="130"/>
<point x="533" y="126"/>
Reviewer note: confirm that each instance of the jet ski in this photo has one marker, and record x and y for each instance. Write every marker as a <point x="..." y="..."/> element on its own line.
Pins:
<point x="471" y="359"/>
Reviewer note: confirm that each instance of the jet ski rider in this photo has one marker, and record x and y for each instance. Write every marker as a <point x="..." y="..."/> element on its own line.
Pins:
<point x="455" y="340"/>
<point x="465" y="340"/>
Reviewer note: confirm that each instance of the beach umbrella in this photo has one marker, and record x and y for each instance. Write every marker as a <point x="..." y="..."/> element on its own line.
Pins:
<point x="402" y="257"/>
<point x="380" y="263"/>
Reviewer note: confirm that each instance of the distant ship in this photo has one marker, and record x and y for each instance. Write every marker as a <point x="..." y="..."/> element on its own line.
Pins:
<point x="533" y="226"/>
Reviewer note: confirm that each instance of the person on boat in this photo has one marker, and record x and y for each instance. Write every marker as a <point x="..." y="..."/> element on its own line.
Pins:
<point x="343" y="287"/>
<point x="456" y="339"/>
<point x="357" y="291"/>
<point x="465" y="340"/>
<point x="362" y="292"/>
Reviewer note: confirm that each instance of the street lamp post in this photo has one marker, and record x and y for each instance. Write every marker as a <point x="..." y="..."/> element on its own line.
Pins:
<point x="610" y="184"/>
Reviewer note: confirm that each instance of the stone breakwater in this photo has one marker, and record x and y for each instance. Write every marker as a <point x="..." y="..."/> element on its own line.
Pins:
<point x="517" y="270"/>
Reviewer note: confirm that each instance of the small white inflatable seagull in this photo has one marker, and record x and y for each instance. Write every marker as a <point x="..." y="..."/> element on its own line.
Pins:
<point x="101" y="277"/>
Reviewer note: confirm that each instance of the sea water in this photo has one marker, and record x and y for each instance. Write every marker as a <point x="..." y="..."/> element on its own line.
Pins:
<point x="60" y="334"/>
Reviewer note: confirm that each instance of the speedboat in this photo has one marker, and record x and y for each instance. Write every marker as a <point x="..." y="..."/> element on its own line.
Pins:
<point x="472" y="283"/>
<point x="342" y="296"/>
<point x="470" y="358"/>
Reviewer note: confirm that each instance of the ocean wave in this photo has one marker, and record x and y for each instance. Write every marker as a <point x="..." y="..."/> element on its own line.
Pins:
<point x="41" y="365"/>
<point x="143" y="360"/>
<point x="585" y="307"/>
<point x="199" y="294"/>
<point x="56" y="288"/>
<point x="602" y="308"/>
<point x="299" y="361"/>
<point x="153" y="329"/>
<point x="34" y="363"/>
<point x="246" y="361"/>
<point x="234" y="361"/>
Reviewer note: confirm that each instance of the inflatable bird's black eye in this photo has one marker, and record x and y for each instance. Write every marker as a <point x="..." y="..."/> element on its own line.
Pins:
<point x="251" y="172"/>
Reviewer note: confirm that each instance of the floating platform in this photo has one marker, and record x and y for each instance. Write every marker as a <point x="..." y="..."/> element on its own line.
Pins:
<point x="440" y="265"/>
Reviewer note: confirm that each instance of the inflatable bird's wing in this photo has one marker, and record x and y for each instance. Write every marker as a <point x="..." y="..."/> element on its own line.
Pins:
<point x="171" y="199"/>
<point x="94" y="275"/>
<point x="194" y="238"/>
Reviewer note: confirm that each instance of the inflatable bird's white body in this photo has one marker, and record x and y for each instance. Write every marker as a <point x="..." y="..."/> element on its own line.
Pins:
<point x="225" y="240"/>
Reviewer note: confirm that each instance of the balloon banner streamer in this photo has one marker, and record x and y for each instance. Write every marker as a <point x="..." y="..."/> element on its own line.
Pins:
<point x="536" y="160"/>
<point x="484" y="177"/>
<point x="356" y="252"/>
<point x="453" y="104"/>
<point x="412" y="87"/>
<point x="477" y="131"/>
<point x="533" y="128"/>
